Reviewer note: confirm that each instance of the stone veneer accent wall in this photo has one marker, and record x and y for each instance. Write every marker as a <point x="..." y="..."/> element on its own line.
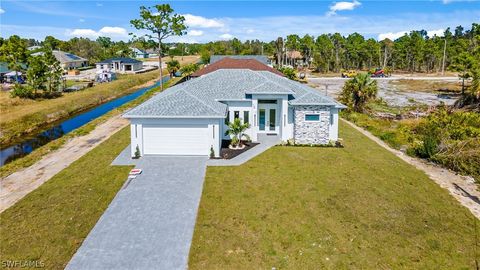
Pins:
<point x="305" y="132"/>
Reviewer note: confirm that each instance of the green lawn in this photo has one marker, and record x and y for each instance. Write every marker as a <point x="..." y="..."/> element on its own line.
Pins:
<point x="50" y="223"/>
<point x="359" y="207"/>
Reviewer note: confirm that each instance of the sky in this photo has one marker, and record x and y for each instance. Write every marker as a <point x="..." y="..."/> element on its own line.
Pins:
<point x="223" y="20"/>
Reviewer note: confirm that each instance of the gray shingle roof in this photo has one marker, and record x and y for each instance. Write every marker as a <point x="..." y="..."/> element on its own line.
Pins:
<point x="260" y="58"/>
<point x="202" y="97"/>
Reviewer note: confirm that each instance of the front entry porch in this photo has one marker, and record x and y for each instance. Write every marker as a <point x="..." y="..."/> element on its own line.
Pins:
<point x="268" y="117"/>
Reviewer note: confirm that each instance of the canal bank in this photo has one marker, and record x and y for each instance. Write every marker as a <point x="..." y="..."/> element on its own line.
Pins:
<point x="63" y="127"/>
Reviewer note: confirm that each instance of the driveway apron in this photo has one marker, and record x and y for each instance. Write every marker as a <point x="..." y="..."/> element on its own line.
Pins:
<point x="150" y="222"/>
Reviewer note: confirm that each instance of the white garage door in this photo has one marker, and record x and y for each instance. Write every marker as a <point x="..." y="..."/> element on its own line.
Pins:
<point x="176" y="140"/>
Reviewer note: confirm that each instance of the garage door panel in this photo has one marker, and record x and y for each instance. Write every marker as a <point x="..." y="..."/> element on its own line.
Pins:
<point x="175" y="140"/>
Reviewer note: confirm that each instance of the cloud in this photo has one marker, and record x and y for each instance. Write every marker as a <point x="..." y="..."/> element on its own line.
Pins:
<point x="99" y="5"/>
<point x="81" y="20"/>
<point x="249" y="31"/>
<point x="113" y="31"/>
<point x="107" y="31"/>
<point x="339" y="6"/>
<point x="392" y="36"/>
<point x="202" y="22"/>
<point x="195" y="33"/>
<point x="438" y="33"/>
<point x="2" y="11"/>
<point x="226" y="36"/>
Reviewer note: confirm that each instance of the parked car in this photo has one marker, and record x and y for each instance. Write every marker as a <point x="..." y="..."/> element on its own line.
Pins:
<point x="349" y="73"/>
<point x="378" y="73"/>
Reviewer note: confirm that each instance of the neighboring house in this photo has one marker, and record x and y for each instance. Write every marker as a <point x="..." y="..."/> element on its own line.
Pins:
<point x="152" y="52"/>
<point x="260" y="58"/>
<point x="191" y="118"/>
<point x="35" y="47"/>
<point x="231" y="63"/>
<point x="294" y="58"/>
<point x="67" y="61"/>
<point x="137" y="53"/>
<point x="120" y="65"/>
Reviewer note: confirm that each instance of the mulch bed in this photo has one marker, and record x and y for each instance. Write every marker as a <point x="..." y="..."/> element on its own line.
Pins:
<point x="227" y="153"/>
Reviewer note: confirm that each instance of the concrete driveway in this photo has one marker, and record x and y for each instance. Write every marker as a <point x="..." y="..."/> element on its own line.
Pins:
<point x="150" y="222"/>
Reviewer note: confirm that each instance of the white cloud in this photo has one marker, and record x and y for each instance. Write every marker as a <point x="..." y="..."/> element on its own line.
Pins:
<point x="195" y="33"/>
<point x="81" y="20"/>
<point x="2" y="11"/>
<point x="107" y="31"/>
<point x="249" y="31"/>
<point x="83" y="33"/>
<point x="338" y="6"/>
<point x="113" y="31"/>
<point x="391" y="35"/>
<point x="226" y="36"/>
<point x="438" y="33"/>
<point x="99" y="5"/>
<point x="201" y="22"/>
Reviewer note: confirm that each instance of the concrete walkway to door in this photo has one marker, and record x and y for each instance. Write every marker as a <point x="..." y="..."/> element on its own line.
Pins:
<point x="150" y="222"/>
<point x="266" y="141"/>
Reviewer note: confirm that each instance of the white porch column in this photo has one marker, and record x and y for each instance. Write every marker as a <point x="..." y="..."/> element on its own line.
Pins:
<point x="254" y="114"/>
<point x="215" y="137"/>
<point x="284" y="120"/>
<point x="136" y="139"/>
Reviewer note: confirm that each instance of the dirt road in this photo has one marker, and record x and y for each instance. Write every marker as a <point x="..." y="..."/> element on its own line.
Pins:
<point x="462" y="188"/>
<point x="17" y="185"/>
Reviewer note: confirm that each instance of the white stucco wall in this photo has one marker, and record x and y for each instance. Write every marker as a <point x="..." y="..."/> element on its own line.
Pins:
<point x="240" y="106"/>
<point x="333" y="132"/>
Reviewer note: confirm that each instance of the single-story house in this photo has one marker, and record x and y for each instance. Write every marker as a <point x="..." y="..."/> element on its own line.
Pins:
<point x="137" y="53"/>
<point x="191" y="118"/>
<point x="232" y="63"/>
<point x="260" y="58"/>
<point x="120" y="65"/>
<point x="67" y="60"/>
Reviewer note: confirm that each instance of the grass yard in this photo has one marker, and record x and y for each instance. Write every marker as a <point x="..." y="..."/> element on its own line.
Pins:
<point x="22" y="116"/>
<point x="358" y="207"/>
<point x="50" y="223"/>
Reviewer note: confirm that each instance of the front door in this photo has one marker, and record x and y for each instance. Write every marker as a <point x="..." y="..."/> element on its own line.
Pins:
<point x="267" y="118"/>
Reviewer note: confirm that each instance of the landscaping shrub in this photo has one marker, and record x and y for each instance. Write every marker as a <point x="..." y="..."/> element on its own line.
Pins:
<point x="462" y="156"/>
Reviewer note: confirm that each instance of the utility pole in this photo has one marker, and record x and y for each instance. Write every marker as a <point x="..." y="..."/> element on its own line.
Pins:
<point x="444" y="52"/>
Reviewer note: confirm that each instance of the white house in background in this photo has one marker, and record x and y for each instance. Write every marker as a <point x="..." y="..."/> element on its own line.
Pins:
<point x="138" y="53"/>
<point x="67" y="60"/>
<point x="120" y="65"/>
<point x="191" y="118"/>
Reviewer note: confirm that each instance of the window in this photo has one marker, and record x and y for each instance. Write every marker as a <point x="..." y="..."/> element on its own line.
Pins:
<point x="227" y="119"/>
<point x="312" y="117"/>
<point x="267" y="101"/>
<point x="236" y="114"/>
<point x="246" y="115"/>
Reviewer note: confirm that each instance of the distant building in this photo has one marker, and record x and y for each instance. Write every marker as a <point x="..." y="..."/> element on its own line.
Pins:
<point x="232" y="63"/>
<point x="67" y="60"/>
<point x="260" y="58"/>
<point x="137" y="53"/>
<point x="120" y="65"/>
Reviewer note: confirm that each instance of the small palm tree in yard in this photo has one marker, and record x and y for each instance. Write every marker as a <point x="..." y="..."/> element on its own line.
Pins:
<point x="237" y="130"/>
<point x="358" y="90"/>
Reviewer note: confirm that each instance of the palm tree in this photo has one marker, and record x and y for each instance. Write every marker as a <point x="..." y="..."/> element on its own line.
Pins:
<point x="358" y="90"/>
<point x="173" y="66"/>
<point x="236" y="129"/>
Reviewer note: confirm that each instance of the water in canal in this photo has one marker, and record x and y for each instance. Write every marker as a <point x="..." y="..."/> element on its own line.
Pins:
<point x="23" y="148"/>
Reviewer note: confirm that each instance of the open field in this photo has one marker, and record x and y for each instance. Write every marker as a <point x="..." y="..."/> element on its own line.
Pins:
<point x="50" y="223"/>
<point x="24" y="116"/>
<point x="401" y="90"/>
<point x="187" y="59"/>
<point x="357" y="207"/>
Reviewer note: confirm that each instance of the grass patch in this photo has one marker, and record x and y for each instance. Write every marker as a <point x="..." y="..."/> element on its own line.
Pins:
<point x="50" y="223"/>
<point x="25" y="116"/>
<point x="34" y="156"/>
<point x="357" y="207"/>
